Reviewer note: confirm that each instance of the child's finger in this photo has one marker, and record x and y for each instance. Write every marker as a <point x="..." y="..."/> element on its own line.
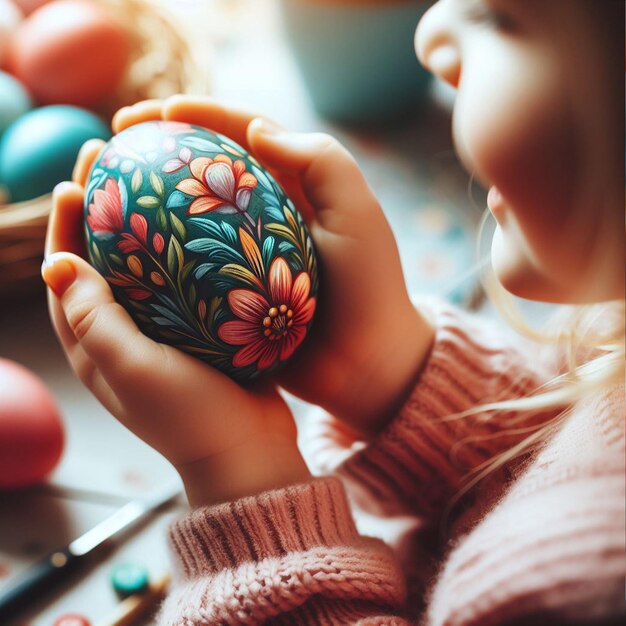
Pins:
<point x="86" y="157"/>
<point x="82" y="365"/>
<point x="331" y="178"/>
<point x="229" y="120"/>
<point x="101" y="326"/>
<point x="92" y="378"/>
<point x="144" y="111"/>
<point x="65" y="224"/>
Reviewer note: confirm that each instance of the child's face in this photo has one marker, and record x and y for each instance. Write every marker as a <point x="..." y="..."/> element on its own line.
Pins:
<point x="524" y="70"/>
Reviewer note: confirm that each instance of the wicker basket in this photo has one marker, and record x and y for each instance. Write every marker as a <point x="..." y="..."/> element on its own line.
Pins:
<point x="163" y="62"/>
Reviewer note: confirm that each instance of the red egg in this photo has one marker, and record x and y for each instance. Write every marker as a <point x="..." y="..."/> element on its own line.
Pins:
<point x="28" y="6"/>
<point x="69" y="52"/>
<point x="31" y="431"/>
<point x="10" y="16"/>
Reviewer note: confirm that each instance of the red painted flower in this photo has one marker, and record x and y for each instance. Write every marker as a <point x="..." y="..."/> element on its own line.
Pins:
<point x="138" y="240"/>
<point x="106" y="212"/>
<point x="218" y="185"/>
<point x="269" y="328"/>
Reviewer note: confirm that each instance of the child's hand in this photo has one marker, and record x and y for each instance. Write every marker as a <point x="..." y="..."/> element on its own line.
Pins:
<point x="367" y="342"/>
<point x="225" y="441"/>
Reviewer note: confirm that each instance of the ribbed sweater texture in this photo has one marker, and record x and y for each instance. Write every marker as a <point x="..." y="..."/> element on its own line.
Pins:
<point x="540" y="540"/>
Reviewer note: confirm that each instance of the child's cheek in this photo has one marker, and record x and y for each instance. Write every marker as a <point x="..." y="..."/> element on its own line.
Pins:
<point x="518" y="136"/>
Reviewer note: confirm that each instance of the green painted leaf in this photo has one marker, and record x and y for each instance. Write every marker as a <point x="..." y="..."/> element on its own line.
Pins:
<point x="161" y="219"/>
<point x="192" y="294"/>
<point x="116" y="259"/>
<point x="175" y="256"/>
<point x="186" y="270"/>
<point x="156" y="182"/>
<point x="97" y="257"/>
<point x="214" y="307"/>
<point x="172" y="257"/>
<point x="178" y="226"/>
<point x="240" y="273"/>
<point x="136" y="181"/>
<point x="148" y="202"/>
<point x="284" y="231"/>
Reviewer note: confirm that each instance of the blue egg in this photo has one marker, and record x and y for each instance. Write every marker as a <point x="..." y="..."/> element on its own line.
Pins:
<point x="14" y="100"/>
<point x="40" y="148"/>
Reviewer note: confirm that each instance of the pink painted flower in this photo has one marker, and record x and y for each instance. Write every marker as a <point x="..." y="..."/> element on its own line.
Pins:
<point x="106" y="212"/>
<point x="218" y="185"/>
<point x="269" y="328"/>
<point x="182" y="160"/>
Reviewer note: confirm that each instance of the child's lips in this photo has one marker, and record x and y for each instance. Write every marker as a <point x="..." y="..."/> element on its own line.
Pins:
<point x="495" y="202"/>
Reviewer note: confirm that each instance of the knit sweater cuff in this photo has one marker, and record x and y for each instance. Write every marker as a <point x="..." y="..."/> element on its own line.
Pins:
<point x="424" y="455"/>
<point x="271" y="524"/>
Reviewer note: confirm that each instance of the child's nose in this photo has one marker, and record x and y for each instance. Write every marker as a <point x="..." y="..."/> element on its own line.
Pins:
<point x="436" y="44"/>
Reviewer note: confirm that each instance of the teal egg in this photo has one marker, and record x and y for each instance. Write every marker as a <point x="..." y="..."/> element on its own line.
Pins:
<point x="202" y="246"/>
<point x="14" y="100"/>
<point x="40" y="148"/>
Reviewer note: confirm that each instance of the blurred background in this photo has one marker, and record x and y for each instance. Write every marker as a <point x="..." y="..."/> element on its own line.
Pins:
<point x="346" y="67"/>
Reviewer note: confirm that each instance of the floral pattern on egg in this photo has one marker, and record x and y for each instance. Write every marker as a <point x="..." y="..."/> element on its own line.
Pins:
<point x="201" y="245"/>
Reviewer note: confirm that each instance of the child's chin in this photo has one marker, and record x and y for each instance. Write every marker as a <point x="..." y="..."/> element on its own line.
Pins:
<point x="514" y="271"/>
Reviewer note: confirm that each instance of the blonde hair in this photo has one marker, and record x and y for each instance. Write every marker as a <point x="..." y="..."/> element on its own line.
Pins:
<point x="591" y="359"/>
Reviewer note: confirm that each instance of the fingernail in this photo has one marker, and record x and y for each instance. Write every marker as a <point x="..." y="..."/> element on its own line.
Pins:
<point x="58" y="273"/>
<point x="60" y="188"/>
<point x="267" y="127"/>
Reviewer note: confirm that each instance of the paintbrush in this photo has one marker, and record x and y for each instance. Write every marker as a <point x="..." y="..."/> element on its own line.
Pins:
<point x="41" y="577"/>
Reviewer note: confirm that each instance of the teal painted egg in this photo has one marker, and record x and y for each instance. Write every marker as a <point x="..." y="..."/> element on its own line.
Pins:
<point x="14" y="100"/>
<point x="202" y="246"/>
<point x="40" y="148"/>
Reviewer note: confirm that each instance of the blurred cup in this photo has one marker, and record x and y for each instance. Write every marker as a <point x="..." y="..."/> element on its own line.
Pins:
<point x="357" y="56"/>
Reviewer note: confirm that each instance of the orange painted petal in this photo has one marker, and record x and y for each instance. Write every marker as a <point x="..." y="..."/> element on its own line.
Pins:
<point x="300" y="290"/>
<point x="239" y="333"/>
<point x="223" y="159"/>
<point x="305" y="314"/>
<point x="239" y="167"/>
<point x="280" y="281"/>
<point x="247" y="180"/>
<point x="197" y="166"/>
<point x="204" y="204"/>
<point x="248" y="305"/>
<point x="192" y="187"/>
<point x="252" y="252"/>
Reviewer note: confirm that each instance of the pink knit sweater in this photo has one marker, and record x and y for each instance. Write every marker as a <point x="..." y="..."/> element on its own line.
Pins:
<point x="540" y="541"/>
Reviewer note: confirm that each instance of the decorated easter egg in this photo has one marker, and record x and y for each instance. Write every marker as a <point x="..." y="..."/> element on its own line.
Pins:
<point x="39" y="149"/>
<point x="202" y="246"/>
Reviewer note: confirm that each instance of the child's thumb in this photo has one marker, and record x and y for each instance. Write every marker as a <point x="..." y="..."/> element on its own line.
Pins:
<point x="329" y="175"/>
